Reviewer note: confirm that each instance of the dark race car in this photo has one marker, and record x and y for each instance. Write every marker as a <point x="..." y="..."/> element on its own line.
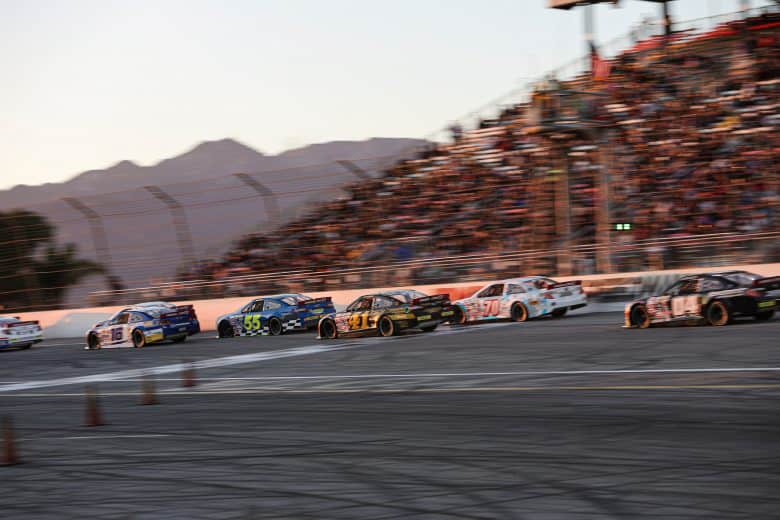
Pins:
<point x="273" y="315"/>
<point x="712" y="298"/>
<point x="387" y="314"/>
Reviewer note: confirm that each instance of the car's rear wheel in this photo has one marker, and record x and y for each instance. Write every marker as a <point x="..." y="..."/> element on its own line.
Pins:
<point x="93" y="342"/>
<point x="275" y="327"/>
<point x="328" y="329"/>
<point x="225" y="330"/>
<point x="559" y="313"/>
<point x="764" y="315"/>
<point x="519" y="312"/>
<point x="386" y="327"/>
<point x="139" y="340"/>
<point x="639" y="316"/>
<point x="718" y="314"/>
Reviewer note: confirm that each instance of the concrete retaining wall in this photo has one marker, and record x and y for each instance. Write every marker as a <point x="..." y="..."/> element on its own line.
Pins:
<point x="69" y="323"/>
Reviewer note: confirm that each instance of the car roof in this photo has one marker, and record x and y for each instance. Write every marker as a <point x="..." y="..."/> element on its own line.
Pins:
<point x="9" y="318"/>
<point x="518" y="280"/>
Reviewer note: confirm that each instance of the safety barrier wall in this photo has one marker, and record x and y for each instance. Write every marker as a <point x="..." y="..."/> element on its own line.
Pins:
<point x="622" y="287"/>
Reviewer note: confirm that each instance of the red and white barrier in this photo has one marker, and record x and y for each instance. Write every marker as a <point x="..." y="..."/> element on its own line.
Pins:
<point x="70" y="323"/>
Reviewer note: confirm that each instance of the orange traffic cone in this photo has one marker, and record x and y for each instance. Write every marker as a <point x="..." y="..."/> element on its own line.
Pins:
<point x="10" y="457"/>
<point x="188" y="376"/>
<point x="148" y="392"/>
<point x="93" y="415"/>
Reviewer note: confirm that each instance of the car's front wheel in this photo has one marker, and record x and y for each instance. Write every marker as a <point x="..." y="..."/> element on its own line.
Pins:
<point x="429" y="328"/>
<point x="93" y="342"/>
<point x="639" y="317"/>
<point x="458" y="316"/>
<point x="225" y="330"/>
<point x="764" y="315"/>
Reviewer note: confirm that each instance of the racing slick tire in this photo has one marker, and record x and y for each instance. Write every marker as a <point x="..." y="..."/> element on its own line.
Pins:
<point x="638" y="317"/>
<point x="559" y="313"/>
<point x="180" y="339"/>
<point x="139" y="340"/>
<point x="429" y="328"/>
<point x="225" y="330"/>
<point x="764" y="315"/>
<point x="518" y="312"/>
<point x="718" y="314"/>
<point x="328" y="330"/>
<point x="386" y="327"/>
<point x="25" y="346"/>
<point x="459" y="317"/>
<point x="93" y="342"/>
<point x="275" y="327"/>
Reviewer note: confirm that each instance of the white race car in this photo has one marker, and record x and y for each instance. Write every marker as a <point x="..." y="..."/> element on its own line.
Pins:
<point x="519" y="299"/>
<point x="15" y="333"/>
<point x="143" y="324"/>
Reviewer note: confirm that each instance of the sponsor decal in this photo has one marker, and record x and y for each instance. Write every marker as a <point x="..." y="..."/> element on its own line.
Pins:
<point x="425" y="317"/>
<point x="763" y="305"/>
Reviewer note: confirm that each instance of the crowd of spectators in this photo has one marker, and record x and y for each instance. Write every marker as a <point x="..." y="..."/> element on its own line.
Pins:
<point x="683" y="133"/>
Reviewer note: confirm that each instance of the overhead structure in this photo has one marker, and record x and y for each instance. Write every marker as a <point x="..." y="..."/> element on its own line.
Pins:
<point x="568" y="4"/>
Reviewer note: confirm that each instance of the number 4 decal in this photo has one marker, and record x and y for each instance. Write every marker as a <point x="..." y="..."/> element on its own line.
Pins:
<point x="685" y="305"/>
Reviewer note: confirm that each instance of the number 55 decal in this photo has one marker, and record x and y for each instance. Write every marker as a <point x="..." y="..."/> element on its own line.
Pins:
<point x="252" y="322"/>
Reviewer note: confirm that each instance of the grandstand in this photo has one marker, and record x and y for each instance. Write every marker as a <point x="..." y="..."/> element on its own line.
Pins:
<point x="683" y="127"/>
<point x="668" y="160"/>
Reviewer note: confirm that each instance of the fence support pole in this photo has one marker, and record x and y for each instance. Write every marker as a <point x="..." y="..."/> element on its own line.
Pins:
<point x="180" y="224"/>
<point x="269" y="197"/>
<point x="98" y="230"/>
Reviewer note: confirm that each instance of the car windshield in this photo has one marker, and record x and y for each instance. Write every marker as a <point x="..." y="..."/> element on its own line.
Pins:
<point x="7" y="319"/>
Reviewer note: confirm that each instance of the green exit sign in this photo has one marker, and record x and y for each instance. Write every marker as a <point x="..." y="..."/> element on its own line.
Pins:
<point x="623" y="227"/>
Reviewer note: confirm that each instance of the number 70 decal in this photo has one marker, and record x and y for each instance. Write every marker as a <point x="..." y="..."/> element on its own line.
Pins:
<point x="491" y="308"/>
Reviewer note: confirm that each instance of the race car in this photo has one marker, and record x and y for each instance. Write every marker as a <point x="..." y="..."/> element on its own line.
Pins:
<point x="274" y="315"/>
<point x="519" y="299"/>
<point x="712" y="298"/>
<point x="387" y="314"/>
<point x="143" y="324"/>
<point x="15" y="333"/>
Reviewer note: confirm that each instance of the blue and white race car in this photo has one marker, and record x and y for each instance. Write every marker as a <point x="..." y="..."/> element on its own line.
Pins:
<point x="519" y="299"/>
<point x="274" y="315"/>
<point x="143" y="324"/>
<point x="15" y="333"/>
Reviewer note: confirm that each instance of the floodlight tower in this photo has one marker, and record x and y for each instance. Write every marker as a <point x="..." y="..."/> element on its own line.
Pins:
<point x="588" y="15"/>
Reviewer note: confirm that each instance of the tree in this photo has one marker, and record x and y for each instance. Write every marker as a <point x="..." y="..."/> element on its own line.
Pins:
<point x="35" y="272"/>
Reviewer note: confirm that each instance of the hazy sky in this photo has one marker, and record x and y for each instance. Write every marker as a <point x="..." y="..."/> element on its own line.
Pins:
<point x="88" y="83"/>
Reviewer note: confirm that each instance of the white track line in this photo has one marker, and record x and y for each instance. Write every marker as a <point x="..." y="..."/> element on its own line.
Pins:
<point x="178" y="367"/>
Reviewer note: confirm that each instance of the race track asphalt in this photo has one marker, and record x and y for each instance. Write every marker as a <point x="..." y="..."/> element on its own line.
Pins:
<point x="571" y="418"/>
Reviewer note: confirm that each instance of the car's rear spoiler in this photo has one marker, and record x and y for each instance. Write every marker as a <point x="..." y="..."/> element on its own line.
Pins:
<point x="566" y="284"/>
<point x="770" y="283"/>
<point x="187" y="311"/>
<point x="22" y="323"/>
<point x="315" y="301"/>
<point x="429" y="300"/>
